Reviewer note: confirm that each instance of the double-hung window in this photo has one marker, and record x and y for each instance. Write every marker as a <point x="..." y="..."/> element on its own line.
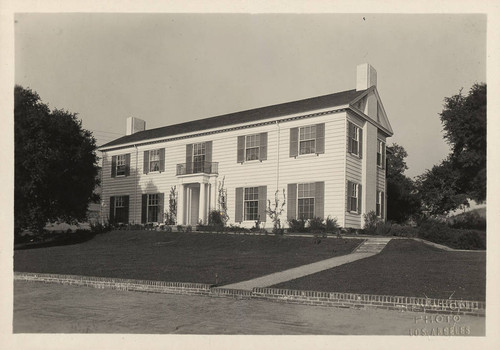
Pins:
<point x="154" y="160"/>
<point x="153" y="207"/>
<point x="354" y="139"/>
<point x="251" y="203"/>
<point x="381" y="153"/>
<point x="121" y="164"/>
<point x="353" y="197"/>
<point x="252" y="147"/>
<point x="307" y="139"/>
<point x="380" y="204"/>
<point x="305" y="207"/>
<point x="199" y="153"/>
<point x="119" y="209"/>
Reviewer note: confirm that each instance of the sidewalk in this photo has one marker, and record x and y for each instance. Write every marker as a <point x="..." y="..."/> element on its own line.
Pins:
<point x="370" y="247"/>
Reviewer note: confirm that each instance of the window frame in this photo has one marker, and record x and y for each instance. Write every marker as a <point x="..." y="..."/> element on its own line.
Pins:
<point x="199" y="150"/>
<point x="354" y="138"/>
<point x="311" y="195"/>
<point x="254" y="215"/>
<point x="153" y="202"/>
<point x="378" y="204"/>
<point x="121" y="165"/>
<point x="157" y="155"/>
<point x="256" y="142"/>
<point x="380" y="153"/>
<point x="354" y="198"/>
<point x="119" y="205"/>
<point x="301" y="140"/>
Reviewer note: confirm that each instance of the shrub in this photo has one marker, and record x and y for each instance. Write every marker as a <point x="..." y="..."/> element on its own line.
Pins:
<point x="435" y="231"/>
<point x="316" y="225"/>
<point x="331" y="225"/>
<point x="371" y="222"/>
<point x="469" y="220"/>
<point x="403" y="231"/>
<point x="215" y="218"/>
<point x="470" y="240"/>
<point x="189" y="228"/>
<point x="168" y="228"/>
<point x="295" y="225"/>
<point x="383" y="228"/>
<point x="180" y="228"/>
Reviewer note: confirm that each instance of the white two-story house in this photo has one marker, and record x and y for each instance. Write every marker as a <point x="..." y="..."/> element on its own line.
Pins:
<point x="327" y="153"/>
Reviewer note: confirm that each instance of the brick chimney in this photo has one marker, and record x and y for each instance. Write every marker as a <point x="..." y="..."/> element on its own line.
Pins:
<point x="135" y="125"/>
<point x="366" y="77"/>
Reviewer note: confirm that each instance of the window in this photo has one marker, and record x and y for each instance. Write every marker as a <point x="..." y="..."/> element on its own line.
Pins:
<point x="252" y="147"/>
<point x="353" y="197"/>
<point x="251" y="203"/>
<point x="381" y="153"/>
<point x="154" y="160"/>
<point x="307" y="139"/>
<point x="120" y="215"/>
<point x="153" y="207"/>
<point x="306" y="194"/>
<point x="199" y="152"/>
<point x="121" y="165"/>
<point x="380" y="204"/>
<point x="353" y="139"/>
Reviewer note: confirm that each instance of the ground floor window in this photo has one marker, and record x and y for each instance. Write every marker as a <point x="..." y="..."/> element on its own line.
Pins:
<point x="305" y="207"/>
<point x="251" y="203"/>
<point x="353" y="197"/>
<point x="380" y="204"/>
<point x="118" y="209"/>
<point x="153" y="207"/>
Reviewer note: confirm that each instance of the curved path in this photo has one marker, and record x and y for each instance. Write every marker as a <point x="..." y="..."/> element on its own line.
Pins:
<point x="370" y="247"/>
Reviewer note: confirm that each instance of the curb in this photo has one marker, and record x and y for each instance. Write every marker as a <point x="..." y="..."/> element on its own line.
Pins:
<point x="329" y="299"/>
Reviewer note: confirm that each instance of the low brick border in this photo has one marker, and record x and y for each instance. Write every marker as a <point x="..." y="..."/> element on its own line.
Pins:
<point x="340" y="300"/>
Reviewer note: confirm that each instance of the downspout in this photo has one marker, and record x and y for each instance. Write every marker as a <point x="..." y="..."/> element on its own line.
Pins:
<point x="278" y="162"/>
<point x="136" y="183"/>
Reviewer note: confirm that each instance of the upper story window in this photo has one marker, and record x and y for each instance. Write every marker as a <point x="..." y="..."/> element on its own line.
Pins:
<point x="252" y="147"/>
<point x="199" y="154"/>
<point x="308" y="139"/>
<point x="355" y="139"/>
<point x="120" y="165"/>
<point x="154" y="160"/>
<point x="381" y="153"/>
<point x="305" y="203"/>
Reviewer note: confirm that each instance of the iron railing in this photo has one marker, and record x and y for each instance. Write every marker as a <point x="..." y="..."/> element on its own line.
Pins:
<point x="197" y="168"/>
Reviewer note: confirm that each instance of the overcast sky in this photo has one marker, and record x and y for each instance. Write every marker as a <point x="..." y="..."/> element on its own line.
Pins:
<point x="167" y="69"/>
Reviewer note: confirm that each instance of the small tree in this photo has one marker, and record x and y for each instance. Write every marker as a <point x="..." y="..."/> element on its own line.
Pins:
<point x="276" y="210"/>
<point x="172" y="207"/>
<point x="222" y="201"/>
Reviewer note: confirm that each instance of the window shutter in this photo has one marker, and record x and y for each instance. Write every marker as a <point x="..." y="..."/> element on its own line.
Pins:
<point x="263" y="146"/>
<point x="162" y="159"/>
<point x="349" y="133"/>
<point x="241" y="149"/>
<point x="319" y="199"/>
<point x="360" y="192"/>
<point x="189" y="159"/>
<point x="126" y="205"/>
<point x="238" y="205"/>
<point x="262" y="203"/>
<point x="383" y="155"/>
<point x="208" y="151"/>
<point x="320" y="138"/>
<point x="112" y="209"/>
<point x="144" y="211"/>
<point x="291" y="208"/>
<point x="382" y="202"/>
<point x="146" y="162"/>
<point x="294" y="142"/>
<point x="127" y="164"/>
<point x="113" y="166"/>
<point x="349" y="195"/>
<point x="161" y="204"/>
<point x="360" y="143"/>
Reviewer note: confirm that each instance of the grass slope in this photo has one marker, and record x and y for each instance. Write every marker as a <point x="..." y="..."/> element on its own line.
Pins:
<point x="405" y="268"/>
<point x="180" y="257"/>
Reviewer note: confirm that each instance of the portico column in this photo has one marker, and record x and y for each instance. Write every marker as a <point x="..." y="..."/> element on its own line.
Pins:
<point x="202" y="202"/>
<point x="180" y="205"/>
<point x="215" y="193"/>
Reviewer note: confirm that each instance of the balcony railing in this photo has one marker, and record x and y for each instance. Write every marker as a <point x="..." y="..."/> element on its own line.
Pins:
<point x="197" y="168"/>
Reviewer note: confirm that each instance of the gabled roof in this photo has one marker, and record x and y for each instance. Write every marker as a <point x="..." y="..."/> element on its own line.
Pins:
<point x="252" y="115"/>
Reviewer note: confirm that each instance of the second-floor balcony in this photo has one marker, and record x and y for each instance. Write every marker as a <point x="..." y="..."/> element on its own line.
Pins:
<point x="197" y="168"/>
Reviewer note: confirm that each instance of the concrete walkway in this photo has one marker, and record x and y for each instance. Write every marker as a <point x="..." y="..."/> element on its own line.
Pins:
<point x="370" y="247"/>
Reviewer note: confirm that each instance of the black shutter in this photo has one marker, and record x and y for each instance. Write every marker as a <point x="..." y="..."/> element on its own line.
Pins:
<point x="360" y="192"/>
<point x="146" y="162"/>
<point x="238" y="205"/>
<point x="263" y="146"/>
<point x="360" y="143"/>
<point x="349" y="135"/>
<point x="240" y="155"/>
<point x="320" y="138"/>
<point x="383" y="155"/>
<point x="126" y="206"/>
<point x="162" y="159"/>
<point x="112" y="209"/>
<point x="262" y="203"/>
<point x="208" y="151"/>
<point x="291" y="211"/>
<point x="127" y="164"/>
<point x="319" y="199"/>
<point x="382" y="203"/>
<point x="161" y="204"/>
<point x="113" y="166"/>
<point x="189" y="159"/>
<point x="144" y="211"/>
<point x="294" y="142"/>
<point x="349" y="195"/>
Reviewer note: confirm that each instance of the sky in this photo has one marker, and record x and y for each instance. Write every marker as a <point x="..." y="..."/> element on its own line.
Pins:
<point x="171" y="68"/>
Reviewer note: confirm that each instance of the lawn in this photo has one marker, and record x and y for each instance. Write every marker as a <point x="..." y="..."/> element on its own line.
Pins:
<point x="180" y="257"/>
<point x="405" y="268"/>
